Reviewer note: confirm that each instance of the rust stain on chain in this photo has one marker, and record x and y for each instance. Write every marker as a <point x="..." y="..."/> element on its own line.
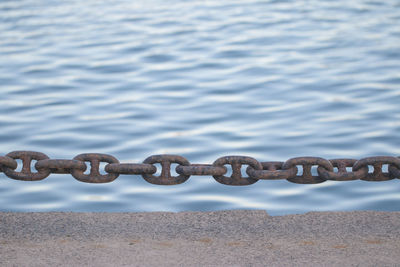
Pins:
<point x="343" y="174"/>
<point x="94" y="176"/>
<point x="236" y="162"/>
<point x="166" y="178"/>
<point x="333" y="169"/>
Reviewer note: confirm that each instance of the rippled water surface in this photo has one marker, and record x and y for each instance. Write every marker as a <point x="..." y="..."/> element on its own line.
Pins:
<point x="202" y="79"/>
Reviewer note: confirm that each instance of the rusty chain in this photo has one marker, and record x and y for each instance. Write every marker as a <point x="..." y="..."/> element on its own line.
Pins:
<point x="367" y="169"/>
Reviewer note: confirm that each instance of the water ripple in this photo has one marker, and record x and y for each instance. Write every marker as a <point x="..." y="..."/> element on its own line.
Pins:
<point x="268" y="79"/>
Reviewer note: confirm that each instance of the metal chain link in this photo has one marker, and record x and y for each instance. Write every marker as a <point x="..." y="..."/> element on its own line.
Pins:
<point x="334" y="169"/>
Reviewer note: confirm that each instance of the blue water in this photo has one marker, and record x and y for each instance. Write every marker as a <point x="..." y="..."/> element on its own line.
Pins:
<point x="202" y="79"/>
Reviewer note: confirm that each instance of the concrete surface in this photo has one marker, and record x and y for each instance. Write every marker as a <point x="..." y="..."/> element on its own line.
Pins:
<point x="224" y="238"/>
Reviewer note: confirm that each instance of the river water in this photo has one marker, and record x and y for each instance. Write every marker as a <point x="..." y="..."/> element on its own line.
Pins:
<point x="203" y="79"/>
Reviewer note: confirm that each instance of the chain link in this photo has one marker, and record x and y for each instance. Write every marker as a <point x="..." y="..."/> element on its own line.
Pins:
<point x="166" y="178"/>
<point x="307" y="163"/>
<point x="26" y="174"/>
<point x="343" y="174"/>
<point x="334" y="169"/>
<point x="130" y="168"/>
<point x="377" y="163"/>
<point x="62" y="166"/>
<point x="394" y="171"/>
<point x="8" y="163"/>
<point x="201" y="169"/>
<point x="272" y="170"/>
<point x="94" y="176"/>
<point x="236" y="162"/>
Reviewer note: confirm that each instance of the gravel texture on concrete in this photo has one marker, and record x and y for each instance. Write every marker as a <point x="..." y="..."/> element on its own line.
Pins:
<point x="222" y="238"/>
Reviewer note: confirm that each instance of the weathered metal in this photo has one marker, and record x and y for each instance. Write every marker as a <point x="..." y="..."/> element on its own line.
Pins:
<point x="334" y="169"/>
<point x="394" y="171"/>
<point x="94" y="176"/>
<point x="26" y="174"/>
<point x="201" y="169"/>
<point x="166" y="178"/>
<point x="130" y="168"/>
<point x="62" y="166"/>
<point x="272" y="170"/>
<point x="236" y="162"/>
<point x="8" y="162"/>
<point x="377" y="163"/>
<point x="342" y="174"/>
<point x="307" y="163"/>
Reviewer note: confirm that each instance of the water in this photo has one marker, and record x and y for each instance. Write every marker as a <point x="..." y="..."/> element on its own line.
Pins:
<point x="202" y="79"/>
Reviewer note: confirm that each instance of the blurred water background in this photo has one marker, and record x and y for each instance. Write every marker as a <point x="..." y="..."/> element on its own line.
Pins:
<point x="202" y="79"/>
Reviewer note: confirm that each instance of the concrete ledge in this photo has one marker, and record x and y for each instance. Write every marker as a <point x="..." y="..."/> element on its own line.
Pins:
<point x="224" y="238"/>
